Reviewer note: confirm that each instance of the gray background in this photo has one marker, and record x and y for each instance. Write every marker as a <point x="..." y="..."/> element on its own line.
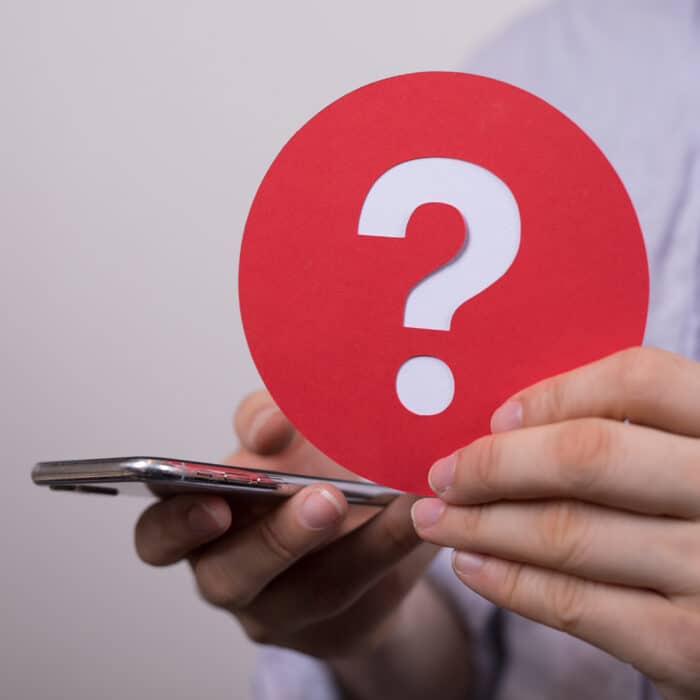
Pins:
<point x="132" y="138"/>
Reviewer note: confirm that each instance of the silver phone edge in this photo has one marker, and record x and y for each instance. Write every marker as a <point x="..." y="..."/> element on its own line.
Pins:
<point x="199" y="476"/>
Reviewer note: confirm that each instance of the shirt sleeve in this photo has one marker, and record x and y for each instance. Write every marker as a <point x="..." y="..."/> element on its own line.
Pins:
<point x="282" y="674"/>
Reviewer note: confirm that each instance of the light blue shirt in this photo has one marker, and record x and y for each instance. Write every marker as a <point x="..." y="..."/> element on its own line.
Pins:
<point x="629" y="74"/>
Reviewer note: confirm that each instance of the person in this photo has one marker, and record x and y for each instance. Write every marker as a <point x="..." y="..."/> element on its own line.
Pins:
<point x="576" y="523"/>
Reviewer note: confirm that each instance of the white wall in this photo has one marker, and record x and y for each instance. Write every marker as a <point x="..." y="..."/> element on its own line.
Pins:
<point x="132" y="138"/>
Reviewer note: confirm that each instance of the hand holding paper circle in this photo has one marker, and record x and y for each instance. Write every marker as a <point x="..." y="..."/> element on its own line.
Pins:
<point x="310" y="572"/>
<point x="383" y="215"/>
<point x="582" y="511"/>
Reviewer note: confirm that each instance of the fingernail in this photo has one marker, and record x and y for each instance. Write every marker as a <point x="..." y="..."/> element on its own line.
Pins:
<point x="442" y="473"/>
<point x="466" y="563"/>
<point x="258" y="422"/>
<point x="320" y="509"/>
<point x="509" y="416"/>
<point x="426" y="512"/>
<point x="204" y="521"/>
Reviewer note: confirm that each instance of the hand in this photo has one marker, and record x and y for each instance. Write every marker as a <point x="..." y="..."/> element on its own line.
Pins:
<point x="582" y="511"/>
<point x="310" y="572"/>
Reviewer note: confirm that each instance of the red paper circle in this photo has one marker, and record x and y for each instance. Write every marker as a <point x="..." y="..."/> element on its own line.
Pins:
<point x="322" y="306"/>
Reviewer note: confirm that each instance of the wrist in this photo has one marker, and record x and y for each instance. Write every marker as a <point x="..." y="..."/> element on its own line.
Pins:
<point x="393" y="662"/>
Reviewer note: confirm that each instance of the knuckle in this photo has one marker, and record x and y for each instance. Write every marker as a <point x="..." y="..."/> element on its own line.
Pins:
<point x="273" y="542"/>
<point x="682" y="545"/>
<point x="552" y="401"/>
<point x="472" y="521"/>
<point x="686" y="633"/>
<point x="398" y="532"/>
<point x="563" y="532"/>
<point x="567" y="596"/>
<point x="484" y="456"/>
<point x="218" y="587"/>
<point x="512" y="587"/>
<point x="257" y="632"/>
<point x="674" y="655"/>
<point x="582" y="449"/>
<point x="636" y="367"/>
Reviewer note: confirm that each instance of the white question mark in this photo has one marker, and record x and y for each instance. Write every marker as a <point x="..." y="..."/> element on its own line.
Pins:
<point x="425" y="384"/>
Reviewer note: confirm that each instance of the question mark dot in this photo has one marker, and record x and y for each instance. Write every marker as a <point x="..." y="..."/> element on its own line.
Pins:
<point x="425" y="385"/>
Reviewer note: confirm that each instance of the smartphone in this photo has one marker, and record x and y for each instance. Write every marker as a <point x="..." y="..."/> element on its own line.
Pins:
<point x="156" y="476"/>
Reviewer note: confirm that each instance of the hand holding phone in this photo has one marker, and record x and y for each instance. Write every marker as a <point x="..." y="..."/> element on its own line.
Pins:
<point x="310" y="572"/>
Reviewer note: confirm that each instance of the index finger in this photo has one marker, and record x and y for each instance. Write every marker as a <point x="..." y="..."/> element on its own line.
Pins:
<point x="169" y="530"/>
<point x="260" y="425"/>
<point x="646" y="386"/>
<point x="589" y="459"/>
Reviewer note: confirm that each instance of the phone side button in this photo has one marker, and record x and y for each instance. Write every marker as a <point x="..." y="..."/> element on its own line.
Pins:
<point x="237" y="479"/>
<point x="211" y="475"/>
